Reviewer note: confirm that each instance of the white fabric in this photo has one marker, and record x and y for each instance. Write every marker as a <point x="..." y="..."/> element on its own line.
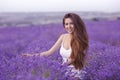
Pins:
<point x="65" y="53"/>
<point x="71" y="71"/>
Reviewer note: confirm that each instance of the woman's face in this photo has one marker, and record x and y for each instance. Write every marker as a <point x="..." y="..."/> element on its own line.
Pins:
<point x="69" y="26"/>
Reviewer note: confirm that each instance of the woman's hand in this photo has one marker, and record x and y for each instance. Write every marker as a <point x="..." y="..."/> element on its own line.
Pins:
<point x="38" y="54"/>
<point x="70" y="61"/>
<point x="26" y="55"/>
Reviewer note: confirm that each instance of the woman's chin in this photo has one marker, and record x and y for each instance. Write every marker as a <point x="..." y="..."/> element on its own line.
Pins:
<point x="69" y="32"/>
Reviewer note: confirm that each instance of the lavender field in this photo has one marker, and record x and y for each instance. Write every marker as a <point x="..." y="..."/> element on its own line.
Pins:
<point x="103" y="59"/>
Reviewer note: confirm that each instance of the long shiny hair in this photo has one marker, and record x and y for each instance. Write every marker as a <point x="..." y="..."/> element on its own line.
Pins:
<point x="79" y="42"/>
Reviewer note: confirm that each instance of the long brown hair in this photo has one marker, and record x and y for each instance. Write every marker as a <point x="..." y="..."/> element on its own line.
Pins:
<point x="79" y="42"/>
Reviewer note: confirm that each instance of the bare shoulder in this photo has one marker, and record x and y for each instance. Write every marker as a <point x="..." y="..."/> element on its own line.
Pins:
<point x="63" y="35"/>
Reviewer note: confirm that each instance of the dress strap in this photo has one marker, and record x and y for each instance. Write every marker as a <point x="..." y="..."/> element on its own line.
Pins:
<point x="63" y="39"/>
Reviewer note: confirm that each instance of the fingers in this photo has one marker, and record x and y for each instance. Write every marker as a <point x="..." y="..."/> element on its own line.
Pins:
<point x="27" y="55"/>
<point x="24" y="54"/>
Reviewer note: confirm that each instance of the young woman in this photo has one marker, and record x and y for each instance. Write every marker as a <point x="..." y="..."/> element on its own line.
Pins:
<point x="73" y="45"/>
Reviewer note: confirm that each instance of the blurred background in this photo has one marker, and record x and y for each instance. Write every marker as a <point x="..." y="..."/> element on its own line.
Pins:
<point x="20" y="13"/>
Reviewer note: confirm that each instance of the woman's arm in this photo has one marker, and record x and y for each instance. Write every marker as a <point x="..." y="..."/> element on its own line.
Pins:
<point x="55" y="47"/>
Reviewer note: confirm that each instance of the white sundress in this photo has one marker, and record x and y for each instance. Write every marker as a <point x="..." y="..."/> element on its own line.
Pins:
<point x="71" y="71"/>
